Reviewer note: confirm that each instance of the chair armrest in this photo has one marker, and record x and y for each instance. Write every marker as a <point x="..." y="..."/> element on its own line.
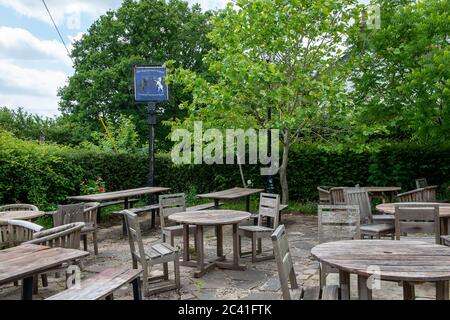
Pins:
<point x="29" y="225"/>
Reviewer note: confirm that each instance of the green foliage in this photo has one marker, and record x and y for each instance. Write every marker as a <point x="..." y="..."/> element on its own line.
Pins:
<point x="284" y="55"/>
<point x="63" y="130"/>
<point x="123" y="139"/>
<point x="45" y="174"/>
<point x="93" y="186"/>
<point x="139" y="32"/>
<point x="402" y="73"/>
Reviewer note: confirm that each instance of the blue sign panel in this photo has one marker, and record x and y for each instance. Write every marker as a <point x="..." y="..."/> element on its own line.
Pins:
<point x="149" y="84"/>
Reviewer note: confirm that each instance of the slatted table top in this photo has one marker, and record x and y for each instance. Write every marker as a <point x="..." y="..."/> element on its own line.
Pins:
<point x="21" y="215"/>
<point x="210" y="217"/>
<point x="231" y="194"/>
<point x="107" y="196"/>
<point x="389" y="208"/>
<point x="390" y="259"/>
<point x="28" y="259"/>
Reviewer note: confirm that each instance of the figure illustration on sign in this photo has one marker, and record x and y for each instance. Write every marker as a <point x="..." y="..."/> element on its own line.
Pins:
<point x="159" y="85"/>
<point x="142" y="85"/>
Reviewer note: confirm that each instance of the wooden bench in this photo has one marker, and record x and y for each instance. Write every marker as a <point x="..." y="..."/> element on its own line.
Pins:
<point x="103" y="285"/>
<point x="255" y="215"/>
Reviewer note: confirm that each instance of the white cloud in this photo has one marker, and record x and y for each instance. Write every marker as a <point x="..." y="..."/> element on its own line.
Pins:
<point x="31" y="88"/>
<point x="20" y="44"/>
<point x="63" y="11"/>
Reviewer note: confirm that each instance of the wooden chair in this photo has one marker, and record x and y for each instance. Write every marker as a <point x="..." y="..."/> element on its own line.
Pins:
<point x="426" y="194"/>
<point x="170" y="204"/>
<point x="19" y="207"/>
<point x="66" y="236"/>
<point x="269" y="206"/>
<point x="337" y="222"/>
<point x="160" y="253"/>
<point x="287" y="275"/>
<point x="337" y="195"/>
<point x="421" y="183"/>
<point x="360" y="197"/>
<point x="445" y="240"/>
<point x="90" y="221"/>
<point x="21" y="231"/>
<point x="418" y="218"/>
<point x="324" y="195"/>
<point x="79" y="212"/>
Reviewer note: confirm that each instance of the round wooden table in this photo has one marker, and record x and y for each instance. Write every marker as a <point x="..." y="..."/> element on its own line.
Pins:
<point x="26" y="215"/>
<point x="217" y="219"/>
<point x="391" y="260"/>
<point x="444" y="213"/>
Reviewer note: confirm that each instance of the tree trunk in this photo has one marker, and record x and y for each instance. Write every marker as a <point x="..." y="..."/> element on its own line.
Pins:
<point x="283" y="169"/>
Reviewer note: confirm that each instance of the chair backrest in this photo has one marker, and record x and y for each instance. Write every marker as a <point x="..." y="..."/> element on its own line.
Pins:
<point x="339" y="222"/>
<point x="68" y="214"/>
<point x="414" y="218"/>
<point x="21" y="231"/>
<point x="66" y="236"/>
<point x="19" y="207"/>
<point x="269" y="206"/>
<point x="4" y="239"/>
<point x="283" y="258"/>
<point x="360" y="197"/>
<point x="324" y="195"/>
<point x="170" y="204"/>
<point x="421" y="183"/>
<point x="90" y="213"/>
<point x="135" y="239"/>
<point x="426" y="194"/>
<point x="429" y="194"/>
<point x="337" y="195"/>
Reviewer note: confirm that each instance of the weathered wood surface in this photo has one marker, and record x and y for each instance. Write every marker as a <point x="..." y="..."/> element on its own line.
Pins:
<point x="231" y="194"/>
<point x="118" y="194"/>
<point x="204" y="206"/>
<point x="394" y="260"/>
<point x="338" y="222"/>
<point x="99" y="286"/>
<point x="210" y="217"/>
<point x="27" y="260"/>
<point x="389" y="208"/>
<point x="26" y="215"/>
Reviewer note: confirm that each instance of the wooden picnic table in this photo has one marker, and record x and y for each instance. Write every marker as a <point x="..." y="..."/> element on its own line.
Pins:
<point x="391" y="260"/>
<point x="444" y="213"/>
<point x="27" y="215"/>
<point x="218" y="219"/>
<point x="231" y="194"/>
<point x="25" y="261"/>
<point x="118" y="195"/>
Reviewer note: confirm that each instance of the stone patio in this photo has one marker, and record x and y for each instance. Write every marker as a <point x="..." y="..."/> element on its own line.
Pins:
<point x="258" y="282"/>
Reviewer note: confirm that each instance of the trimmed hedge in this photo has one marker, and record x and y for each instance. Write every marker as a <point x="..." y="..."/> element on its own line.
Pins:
<point x="45" y="174"/>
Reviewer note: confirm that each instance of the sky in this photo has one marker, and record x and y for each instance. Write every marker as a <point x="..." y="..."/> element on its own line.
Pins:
<point x="33" y="61"/>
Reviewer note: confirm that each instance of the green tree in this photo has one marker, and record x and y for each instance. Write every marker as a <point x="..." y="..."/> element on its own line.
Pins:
<point x="280" y="54"/>
<point x="402" y="73"/>
<point x="139" y="32"/>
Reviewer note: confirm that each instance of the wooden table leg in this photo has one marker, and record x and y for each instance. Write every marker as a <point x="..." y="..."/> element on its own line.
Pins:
<point x="364" y="292"/>
<point x="444" y="226"/>
<point x="124" y="227"/>
<point x="186" y="243"/>
<point x="216" y="204"/>
<point x="219" y="233"/>
<point x="27" y="288"/>
<point x="409" y="292"/>
<point x="137" y="292"/>
<point x="200" y="253"/>
<point x="235" y="245"/>
<point x="247" y="203"/>
<point x="344" y="283"/>
<point x="442" y="290"/>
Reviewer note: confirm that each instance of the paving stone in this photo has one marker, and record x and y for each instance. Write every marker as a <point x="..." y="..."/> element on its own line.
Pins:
<point x="273" y="284"/>
<point x="262" y="296"/>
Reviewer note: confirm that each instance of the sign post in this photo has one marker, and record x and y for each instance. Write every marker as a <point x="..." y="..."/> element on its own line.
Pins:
<point x="150" y="87"/>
